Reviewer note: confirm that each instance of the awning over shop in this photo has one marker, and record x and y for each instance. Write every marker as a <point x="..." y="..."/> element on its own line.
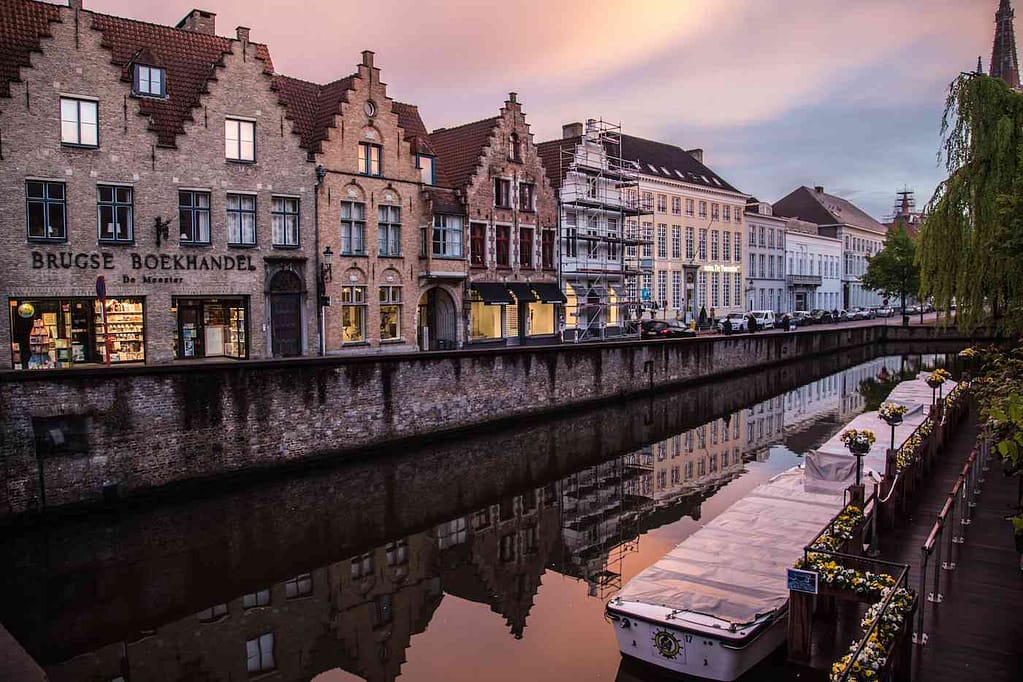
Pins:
<point x="493" y="293"/>
<point x="549" y="292"/>
<point x="523" y="292"/>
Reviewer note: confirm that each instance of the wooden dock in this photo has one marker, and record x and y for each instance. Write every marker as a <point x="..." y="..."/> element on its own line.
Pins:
<point x="976" y="633"/>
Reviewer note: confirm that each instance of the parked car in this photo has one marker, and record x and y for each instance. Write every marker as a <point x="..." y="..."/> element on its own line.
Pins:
<point x="912" y="310"/>
<point x="735" y="322"/>
<point x="860" y="314"/>
<point x="821" y="316"/>
<point x="665" y="329"/>
<point x="781" y="320"/>
<point x="885" y="311"/>
<point x="843" y="316"/>
<point x="802" y="318"/>
<point x="765" y="319"/>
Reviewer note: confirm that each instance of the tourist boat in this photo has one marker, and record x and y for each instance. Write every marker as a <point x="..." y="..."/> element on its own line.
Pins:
<point x="717" y="604"/>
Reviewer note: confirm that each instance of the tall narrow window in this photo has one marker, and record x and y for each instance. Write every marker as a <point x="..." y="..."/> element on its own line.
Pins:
<point x="527" y="192"/>
<point x="284" y="216"/>
<point x="478" y="244"/>
<point x="46" y="210"/>
<point x="714" y="253"/>
<point x="389" y="230"/>
<point x="547" y="249"/>
<point x="703" y="209"/>
<point x="369" y="159"/>
<point x="690" y="248"/>
<point x="503" y="245"/>
<point x="116" y="213"/>
<point x="612" y="237"/>
<point x="662" y="203"/>
<point x="502" y="193"/>
<point x="727" y="213"/>
<point x="689" y="207"/>
<point x="150" y="81"/>
<point x="194" y="217"/>
<point x="676" y="289"/>
<point x="715" y="212"/>
<point x="353" y="314"/>
<point x="676" y="205"/>
<point x="571" y="235"/>
<point x="648" y="240"/>
<point x="427" y="166"/>
<point x="737" y="243"/>
<point x="447" y="236"/>
<point x="239" y="140"/>
<point x="515" y="148"/>
<point x="353" y="228"/>
<point x="525" y="247"/>
<point x="390" y="313"/>
<point x="241" y="219"/>
<point x="79" y="122"/>
<point x="662" y="241"/>
<point x="726" y="246"/>
<point x="676" y="241"/>
<point x="703" y="244"/>
<point x="260" y="653"/>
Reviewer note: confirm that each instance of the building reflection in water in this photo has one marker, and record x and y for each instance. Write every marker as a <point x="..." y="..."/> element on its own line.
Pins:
<point x="360" y="614"/>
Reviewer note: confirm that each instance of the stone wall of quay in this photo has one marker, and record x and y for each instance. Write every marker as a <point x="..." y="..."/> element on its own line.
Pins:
<point x="70" y="435"/>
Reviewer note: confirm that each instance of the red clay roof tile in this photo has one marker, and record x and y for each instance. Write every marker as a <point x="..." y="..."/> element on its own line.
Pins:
<point x="23" y="25"/>
<point x="459" y="149"/>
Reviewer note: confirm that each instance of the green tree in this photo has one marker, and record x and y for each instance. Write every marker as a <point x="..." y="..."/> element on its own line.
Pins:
<point x="971" y="243"/>
<point x="894" y="271"/>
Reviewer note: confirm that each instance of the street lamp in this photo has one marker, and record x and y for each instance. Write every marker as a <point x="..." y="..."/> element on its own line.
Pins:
<point x="326" y="275"/>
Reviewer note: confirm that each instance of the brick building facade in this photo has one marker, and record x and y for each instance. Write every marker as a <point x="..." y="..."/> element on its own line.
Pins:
<point x="161" y="159"/>
<point x="511" y="209"/>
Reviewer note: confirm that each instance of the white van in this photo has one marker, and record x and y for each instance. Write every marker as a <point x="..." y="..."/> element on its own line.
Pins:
<point x="765" y="319"/>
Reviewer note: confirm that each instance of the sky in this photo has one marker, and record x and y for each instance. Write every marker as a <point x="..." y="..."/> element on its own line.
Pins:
<point x="779" y="93"/>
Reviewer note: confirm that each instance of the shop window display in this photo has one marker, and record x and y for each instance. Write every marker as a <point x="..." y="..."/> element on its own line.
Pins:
<point x="211" y="327"/>
<point x="60" y="333"/>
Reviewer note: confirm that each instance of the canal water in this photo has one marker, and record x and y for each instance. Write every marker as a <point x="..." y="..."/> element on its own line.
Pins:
<point x="457" y="562"/>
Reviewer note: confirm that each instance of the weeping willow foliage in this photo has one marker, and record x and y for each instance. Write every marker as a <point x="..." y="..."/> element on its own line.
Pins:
<point x="971" y="243"/>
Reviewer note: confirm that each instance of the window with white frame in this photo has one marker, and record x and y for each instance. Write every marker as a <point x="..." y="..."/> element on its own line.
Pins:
<point x="284" y="221"/>
<point x="353" y="314"/>
<point x="715" y="212"/>
<point x="239" y="140"/>
<point x="447" y="235"/>
<point x="714" y="245"/>
<point x="260" y="653"/>
<point x="676" y="205"/>
<point x="502" y="193"/>
<point x="727" y="213"/>
<point x="662" y="203"/>
<point x="662" y="287"/>
<point x="116" y="209"/>
<point x="79" y="122"/>
<point x="389" y="230"/>
<point x="254" y="600"/>
<point x="737" y="242"/>
<point x="362" y="566"/>
<point x="299" y="586"/>
<point x="390" y="313"/>
<point x="213" y="613"/>
<point x="353" y="228"/>
<point x="676" y="241"/>
<point x="527" y="195"/>
<point x="150" y="81"/>
<point x="648" y="240"/>
<point x="676" y="290"/>
<point x="715" y="289"/>
<point x="703" y="244"/>
<point x="194" y="216"/>
<point x="726" y="290"/>
<point x="690" y="243"/>
<point x="241" y="219"/>
<point x="689" y="207"/>
<point x="726" y="246"/>
<point x="662" y="240"/>
<point x="370" y="159"/>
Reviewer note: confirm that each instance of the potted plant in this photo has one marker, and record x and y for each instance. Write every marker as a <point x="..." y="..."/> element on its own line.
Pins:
<point x="891" y="413"/>
<point x="858" y="442"/>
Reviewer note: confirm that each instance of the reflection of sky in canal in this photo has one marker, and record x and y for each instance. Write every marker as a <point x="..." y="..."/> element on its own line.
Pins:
<point x="514" y="590"/>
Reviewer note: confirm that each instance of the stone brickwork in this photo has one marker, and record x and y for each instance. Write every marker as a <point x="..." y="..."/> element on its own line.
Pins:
<point x="366" y="117"/>
<point x="77" y="61"/>
<point x="134" y="429"/>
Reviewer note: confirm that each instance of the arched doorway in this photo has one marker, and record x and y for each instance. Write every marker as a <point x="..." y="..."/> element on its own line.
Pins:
<point x="286" y="314"/>
<point x="437" y="328"/>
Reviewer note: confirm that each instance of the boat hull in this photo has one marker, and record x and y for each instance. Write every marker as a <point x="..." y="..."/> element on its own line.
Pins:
<point x="681" y="648"/>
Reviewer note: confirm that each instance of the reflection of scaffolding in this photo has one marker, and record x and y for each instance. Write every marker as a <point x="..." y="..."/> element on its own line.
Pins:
<point x="601" y="210"/>
<point x="600" y="518"/>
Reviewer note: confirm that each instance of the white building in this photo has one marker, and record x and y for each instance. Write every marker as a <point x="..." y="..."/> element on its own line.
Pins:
<point x="860" y="234"/>
<point x="812" y="268"/>
<point x="765" y="258"/>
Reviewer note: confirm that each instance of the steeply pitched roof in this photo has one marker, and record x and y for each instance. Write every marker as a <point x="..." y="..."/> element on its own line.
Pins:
<point x="552" y="155"/>
<point x="822" y="208"/>
<point x="660" y="159"/>
<point x="23" y="25"/>
<point x="190" y="58"/>
<point x="312" y="107"/>
<point x="459" y="149"/>
<point x="415" y="130"/>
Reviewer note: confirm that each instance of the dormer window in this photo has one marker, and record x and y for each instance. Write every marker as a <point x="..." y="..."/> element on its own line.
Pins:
<point x="150" y="81"/>
<point x="426" y="165"/>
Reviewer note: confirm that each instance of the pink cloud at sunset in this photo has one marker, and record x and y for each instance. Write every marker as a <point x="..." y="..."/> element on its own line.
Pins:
<point x="701" y="73"/>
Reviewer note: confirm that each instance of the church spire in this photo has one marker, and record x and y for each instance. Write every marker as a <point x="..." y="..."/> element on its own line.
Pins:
<point x="1004" y="63"/>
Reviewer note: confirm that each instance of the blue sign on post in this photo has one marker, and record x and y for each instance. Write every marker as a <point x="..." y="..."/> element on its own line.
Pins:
<point x="644" y="294"/>
<point x="802" y="581"/>
<point x="101" y="288"/>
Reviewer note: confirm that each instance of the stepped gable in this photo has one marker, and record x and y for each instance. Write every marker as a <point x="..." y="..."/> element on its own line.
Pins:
<point x="659" y="159"/>
<point x="460" y="149"/>
<point x="552" y="155"/>
<point x="312" y="107"/>
<point x="23" y="25"/>
<point x="189" y="57"/>
<point x="415" y="130"/>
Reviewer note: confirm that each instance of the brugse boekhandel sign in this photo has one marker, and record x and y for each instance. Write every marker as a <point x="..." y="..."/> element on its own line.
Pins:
<point x="141" y="264"/>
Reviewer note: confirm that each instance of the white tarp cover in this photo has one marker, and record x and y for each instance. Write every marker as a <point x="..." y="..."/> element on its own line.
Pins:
<point x="734" y="568"/>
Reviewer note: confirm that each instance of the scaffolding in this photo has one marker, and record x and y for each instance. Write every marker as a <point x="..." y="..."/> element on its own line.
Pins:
<point x="601" y="236"/>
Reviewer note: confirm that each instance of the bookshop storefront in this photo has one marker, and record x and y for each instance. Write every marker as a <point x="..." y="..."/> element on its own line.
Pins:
<point x="211" y="327"/>
<point x="59" y="333"/>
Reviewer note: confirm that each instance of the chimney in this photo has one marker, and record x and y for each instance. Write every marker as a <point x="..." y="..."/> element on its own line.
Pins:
<point x="696" y="154"/>
<point x="242" y="33"/>
<point x="199" y="21"/>
<point x="513" y="97"/>
<point x="819" y="189"/>
<point x="74" y="4"/>
<point x="367" y="58"/>
<point x="571" y="130"/>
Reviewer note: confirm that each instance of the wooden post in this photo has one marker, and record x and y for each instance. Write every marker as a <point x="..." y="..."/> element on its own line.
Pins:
<point x="800" y="626"/>
<point x="856" y="495"/>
